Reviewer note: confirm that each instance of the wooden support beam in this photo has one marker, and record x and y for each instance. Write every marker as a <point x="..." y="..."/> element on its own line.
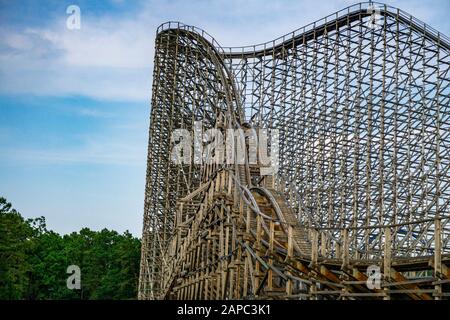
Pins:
<point x="345" y="251"/>
<point x="387" y="258"/>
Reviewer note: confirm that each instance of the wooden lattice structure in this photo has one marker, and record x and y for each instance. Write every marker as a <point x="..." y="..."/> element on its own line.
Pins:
<point x="361" y="102"/>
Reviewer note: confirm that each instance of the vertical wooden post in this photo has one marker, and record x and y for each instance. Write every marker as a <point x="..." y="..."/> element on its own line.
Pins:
<point x="245" y="283"/>
<point x="387" y="259"/>
<point x="290" y="253"/>
<point x="258" y="248"/>
<point x="271" y="240"/>
<point x="323" y="244"/>
<point x="337" y="249"/>
<point x="437" y="256"/>
<point x="345" y="250"/>
<point x="206" y="285"/>
<point x="315" y="245"/>
<point x="313" y="290"/>
<point x="179" y="215"/>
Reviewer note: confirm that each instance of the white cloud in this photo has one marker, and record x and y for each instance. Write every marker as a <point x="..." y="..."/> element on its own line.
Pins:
<point x="101" y="43"/>
<point x="106" y="59"/>
<point x="116" y="156"/>
<point x="94" y="113"/>
<point x="17" y="41"/>
<point x="104" y="150"/>
<point x="111" y="56"/>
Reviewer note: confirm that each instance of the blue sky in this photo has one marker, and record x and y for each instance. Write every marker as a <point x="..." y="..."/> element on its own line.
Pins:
<point x="74" y="104"/>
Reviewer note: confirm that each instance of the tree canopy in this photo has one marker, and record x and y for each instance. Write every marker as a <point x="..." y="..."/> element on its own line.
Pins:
<point x="34" y="260"/>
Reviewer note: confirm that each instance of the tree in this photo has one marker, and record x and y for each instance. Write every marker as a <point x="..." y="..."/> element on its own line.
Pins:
<point x="33" y="260"/>
<point x="15" y="245"/>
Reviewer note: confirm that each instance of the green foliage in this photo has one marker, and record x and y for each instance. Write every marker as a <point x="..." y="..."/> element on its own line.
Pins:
<point x="15" y="245"/>
<point x="33" y="260"/>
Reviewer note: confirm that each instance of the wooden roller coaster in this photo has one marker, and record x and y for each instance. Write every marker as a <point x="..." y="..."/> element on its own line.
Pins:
<point x="359" y="206"/>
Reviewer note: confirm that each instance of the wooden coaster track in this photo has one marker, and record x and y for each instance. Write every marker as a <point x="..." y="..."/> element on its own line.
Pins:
<point x="360" y="205"/>
<point x="221" y="254"/>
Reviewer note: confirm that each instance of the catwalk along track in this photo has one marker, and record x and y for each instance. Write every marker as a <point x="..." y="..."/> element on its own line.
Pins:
<point x="357" y="203"/>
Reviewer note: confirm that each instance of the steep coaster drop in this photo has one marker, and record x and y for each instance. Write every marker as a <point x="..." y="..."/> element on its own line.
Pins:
<point x="359" y="207"/>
